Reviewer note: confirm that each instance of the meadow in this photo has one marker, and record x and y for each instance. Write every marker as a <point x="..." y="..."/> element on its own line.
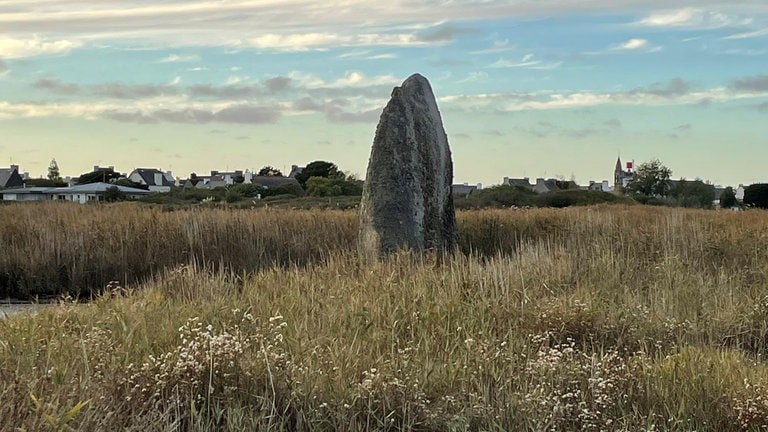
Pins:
<point x="615" y="318"/>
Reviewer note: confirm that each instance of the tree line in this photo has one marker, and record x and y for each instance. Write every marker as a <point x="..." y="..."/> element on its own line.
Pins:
<point x="652" y="184"/>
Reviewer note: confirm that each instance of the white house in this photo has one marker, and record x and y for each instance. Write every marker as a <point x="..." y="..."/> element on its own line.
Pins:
<point x="91" y="192"/>
<point x="156" y="180"/>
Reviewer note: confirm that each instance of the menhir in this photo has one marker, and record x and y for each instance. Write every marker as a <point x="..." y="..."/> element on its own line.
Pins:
<point x="407" y="200"/>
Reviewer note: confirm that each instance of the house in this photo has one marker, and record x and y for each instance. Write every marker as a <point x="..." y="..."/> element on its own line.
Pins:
<point x="26" y="194"/>
<point x="524" y="183"/>
<point x="10" y="177"/>
<point x="90" y="192"/>
<point x="553" y="185"/>
<point x="466" y="189"/>
<point x="270" y="182"/>
<point x="156" y="180"/>
<point x="295" y="170"/>
<point x="740" y="192"/>
<point x="603" y="186"/>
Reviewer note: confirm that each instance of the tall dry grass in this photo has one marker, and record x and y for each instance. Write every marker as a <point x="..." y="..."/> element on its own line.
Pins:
<point x="606" y="318"/>
<point x="55" y="248"/>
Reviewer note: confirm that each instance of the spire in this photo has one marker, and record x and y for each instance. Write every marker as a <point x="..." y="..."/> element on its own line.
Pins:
<point x="618" y="164"/>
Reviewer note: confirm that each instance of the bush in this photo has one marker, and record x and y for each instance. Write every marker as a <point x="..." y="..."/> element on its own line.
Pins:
<point x="498" y="196"/>
<point x="756" y="195"/>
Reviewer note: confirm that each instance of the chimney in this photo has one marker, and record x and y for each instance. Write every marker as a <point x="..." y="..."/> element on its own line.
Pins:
<point x="15" y="168"/>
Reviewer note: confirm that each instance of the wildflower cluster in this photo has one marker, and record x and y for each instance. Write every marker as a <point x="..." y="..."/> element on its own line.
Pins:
<point x="750" y="406"/>
<point x="203" y="365"/>
<point x="572" y="389"/>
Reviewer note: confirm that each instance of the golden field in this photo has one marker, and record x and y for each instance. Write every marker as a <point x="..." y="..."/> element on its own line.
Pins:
<point x="594" y="318"/>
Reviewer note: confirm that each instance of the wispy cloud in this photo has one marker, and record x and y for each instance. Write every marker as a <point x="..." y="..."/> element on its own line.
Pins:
<point x="636" y="44"/>
<point x="11" y="48"/>
<point x="445" y="33"/>
<point x="176" y="58"/>
<point x="497" y="47"/>
<point x="528" y="61"/>
<point x="748" y="34"/>
<point x="674" y="92"/>
<point x="353" y="97"/>
<point x="694" y="18"/>
<point x="758" y="83"/>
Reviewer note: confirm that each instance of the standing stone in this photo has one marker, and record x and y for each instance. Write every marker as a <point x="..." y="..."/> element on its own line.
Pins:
<point x="407" y="198"/>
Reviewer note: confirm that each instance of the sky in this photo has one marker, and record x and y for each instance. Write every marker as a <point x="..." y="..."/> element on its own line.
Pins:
<point x="526" y="88"/>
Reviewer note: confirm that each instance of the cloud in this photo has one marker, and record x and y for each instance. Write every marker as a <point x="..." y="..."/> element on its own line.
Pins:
<point x="3" y="68"/>
<point x="20" y="48"/>
<point x="132" y="91"/>
<point x="298" y="42"/>
<point x="237" y="114"/>
<point x="497" y="47"/>
<point x="118" y="90"/>
<point x="681" y="17"/>
<point x="673" y="92"/>
<point x="336" y="110"/>
<point x="763" y="107"/>
<point x="674" y="87"/>
<point x="528" y="61"/>
<point x="445" y="33"/>
<point x="694" y="18"/>
<point x="748" y="34"/>
<point x="277" y="84"/>
<point x="176" y="58"/>
<point x="56" y="86"/>
<point x="632" y="44"/>
<point x="613" y="123"/>
<point x="757" y="83"/>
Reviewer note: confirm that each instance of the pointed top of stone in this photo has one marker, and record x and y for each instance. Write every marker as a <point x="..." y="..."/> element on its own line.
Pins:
<point x="417" y="90"/>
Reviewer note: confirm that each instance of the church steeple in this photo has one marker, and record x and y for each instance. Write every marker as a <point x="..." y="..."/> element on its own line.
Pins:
<point x="618" y="175"/>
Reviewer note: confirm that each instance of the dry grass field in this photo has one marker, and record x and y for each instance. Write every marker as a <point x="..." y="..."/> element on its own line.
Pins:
<point x="615" y="318"/>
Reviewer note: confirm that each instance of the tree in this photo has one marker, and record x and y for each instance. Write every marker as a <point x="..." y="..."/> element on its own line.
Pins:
<point x="693" y="194"/>
<point x="322" y="186"/>
<point x="756" y="195"/>
<point x="99" y="176"/>
<point x="728" y="198"/>
<point x="44" y="182"/>
<point x="269" y="171"/>
<point x="318" y="169"/>
<point x="53" y="172"/>
<point x="113" y="194"/>
<point x="651" y="179"/>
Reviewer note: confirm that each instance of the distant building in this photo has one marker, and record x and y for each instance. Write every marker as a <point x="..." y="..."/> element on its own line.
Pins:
<point x="85" y="193"/>
<point x="524" y="182"/>
<point x="740" y="192"/>
<point x="466" y="189"/>
<point x="10" y="177"/>
<point x="621" y="178"/>
<point x="295" y="170"/>
<point x="154" y="179"/>
<point x="603" y="186"/>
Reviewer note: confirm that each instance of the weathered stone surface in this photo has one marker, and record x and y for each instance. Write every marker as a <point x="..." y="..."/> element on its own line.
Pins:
<point x="407" y="201"/>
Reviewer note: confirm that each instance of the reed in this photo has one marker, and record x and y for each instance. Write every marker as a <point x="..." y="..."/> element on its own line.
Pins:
<point x="603" y="318"/>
